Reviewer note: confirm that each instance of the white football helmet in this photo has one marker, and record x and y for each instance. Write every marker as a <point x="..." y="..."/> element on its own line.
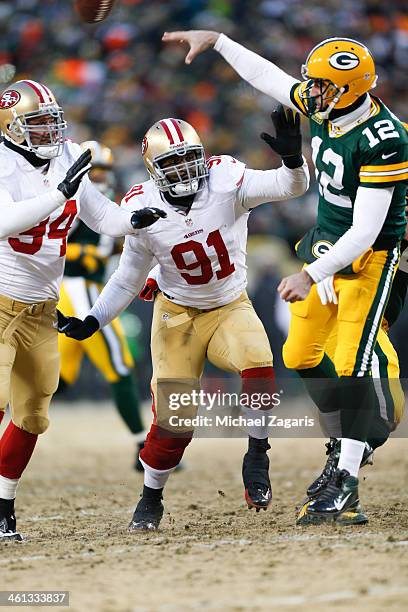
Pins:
<point x="31" y="118"/>
<point x="174" y="157"/>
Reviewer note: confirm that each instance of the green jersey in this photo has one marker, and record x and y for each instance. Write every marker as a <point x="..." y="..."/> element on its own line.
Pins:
<point x="87" y="252"/>
<point x="373" y="153"/>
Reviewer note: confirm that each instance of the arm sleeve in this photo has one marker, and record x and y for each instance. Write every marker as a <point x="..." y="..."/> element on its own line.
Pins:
<point x="102" y="215"/>
<point x="260" y="186"/>
<point x="125" y="283"/>
<point x="370" y="210"/>
<point x="16" y="217"/>
<point x="257" y="71"/>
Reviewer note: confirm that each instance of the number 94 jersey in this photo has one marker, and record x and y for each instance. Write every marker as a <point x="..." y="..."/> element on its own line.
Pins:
<point x="32" y="262"/>
<point x="373" y="153"/>
<point x="201" y="254"/>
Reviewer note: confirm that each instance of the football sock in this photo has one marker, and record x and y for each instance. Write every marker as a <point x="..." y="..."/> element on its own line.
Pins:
<point x="379" y="431"/>
<point x="8" y="488"/>
<point x="126" y="398"/>
<point x="321" y="384"/>
<point x="357" y="398"/>
<point x="351" y="454"/>
<point x="16" y="448"/>
<point x="155" y="479"/>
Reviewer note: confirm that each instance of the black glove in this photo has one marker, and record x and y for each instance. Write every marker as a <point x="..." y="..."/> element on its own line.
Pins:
<point x="146" y="216"/>
<point x="75" y="174"/>
<point x="76" y="328"/>
<point x="288" y="140"/>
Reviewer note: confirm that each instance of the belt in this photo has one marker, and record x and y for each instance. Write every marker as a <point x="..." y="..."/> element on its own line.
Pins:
<point x="32" y="309"/>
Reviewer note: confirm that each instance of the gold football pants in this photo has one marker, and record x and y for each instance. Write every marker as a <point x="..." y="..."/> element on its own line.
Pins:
<point x="107" y="349"/>
<point x="29" y="361"/>
<point x="361" y="303"/>
<point x="232" y="337"/>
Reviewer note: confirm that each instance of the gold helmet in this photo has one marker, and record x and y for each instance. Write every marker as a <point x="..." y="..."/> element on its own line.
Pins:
<point x="174" y="157"/>
<point x="342" y="69"/>
<point x="101" y="172"/>
<point x="22" y="104"/>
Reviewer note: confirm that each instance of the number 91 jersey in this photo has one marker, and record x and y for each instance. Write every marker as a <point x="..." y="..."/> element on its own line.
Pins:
<point x="32" y="262"/>
<point x="373" y="153"/>
<point x="201" y="254"/>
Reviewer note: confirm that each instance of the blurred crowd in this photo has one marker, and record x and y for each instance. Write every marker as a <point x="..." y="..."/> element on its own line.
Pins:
<point x="117" y="78"/>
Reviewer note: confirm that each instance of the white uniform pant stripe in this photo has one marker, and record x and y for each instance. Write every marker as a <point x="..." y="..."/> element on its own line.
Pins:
<point x="378" y="387"/>
<point x="378" y="315"/>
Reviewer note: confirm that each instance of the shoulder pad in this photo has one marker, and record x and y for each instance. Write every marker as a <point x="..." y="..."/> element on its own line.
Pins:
<point x="138" y="196"/>
<point x="72" y="151"/>
<point x="225" y="173"/>
<point x="7" y="163"/>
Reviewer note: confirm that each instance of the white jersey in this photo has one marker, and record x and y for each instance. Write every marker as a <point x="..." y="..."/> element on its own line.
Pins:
<point x="32" y="262"/>
<point x="201" y="255"/>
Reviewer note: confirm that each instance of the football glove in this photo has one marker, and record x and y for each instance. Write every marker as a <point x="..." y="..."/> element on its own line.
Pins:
<point x="148" y="293"/>
<point x="76" y="328"/>
<point x="325" y="289"/>
<point x="288" y="140"/>
<point x="146" y="216"/>
<point x="69" y="186"/>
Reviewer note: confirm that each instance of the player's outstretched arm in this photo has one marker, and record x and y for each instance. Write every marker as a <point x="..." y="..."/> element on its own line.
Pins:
<point x="259" y="72"/>
<point x="105" y="217"/>
<point x="19" y="216"/>
<point x="121" y="289"/>
<point x="291" y="180"/>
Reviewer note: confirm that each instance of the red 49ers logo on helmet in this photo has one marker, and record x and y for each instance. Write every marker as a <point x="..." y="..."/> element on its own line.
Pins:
<point x="10" y="98"/>
<point x="144" y="145"/>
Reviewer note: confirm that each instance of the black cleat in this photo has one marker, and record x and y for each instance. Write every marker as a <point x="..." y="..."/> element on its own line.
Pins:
<point x="333" y="451"/>
<point x="255" y="474"/>
<point x="147" y="515"/>
<point x="338" y="501"/>
<point x="8" y="529"/>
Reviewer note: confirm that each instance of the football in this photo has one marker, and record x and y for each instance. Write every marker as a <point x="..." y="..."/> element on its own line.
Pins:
<point x="93" y="11"/>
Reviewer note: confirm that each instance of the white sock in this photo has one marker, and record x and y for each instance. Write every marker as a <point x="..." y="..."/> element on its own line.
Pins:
<point x="155" y="479"/>
<point x="8" y="487"/>
<point x="351" y="454"/>
<point x="260" y="431"/>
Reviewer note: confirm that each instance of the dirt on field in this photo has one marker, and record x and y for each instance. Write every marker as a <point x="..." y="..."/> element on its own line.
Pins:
<point x="211" y="552"/>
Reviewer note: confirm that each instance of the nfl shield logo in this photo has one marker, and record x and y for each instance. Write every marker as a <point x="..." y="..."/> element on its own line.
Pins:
<point x="189" y="222"/>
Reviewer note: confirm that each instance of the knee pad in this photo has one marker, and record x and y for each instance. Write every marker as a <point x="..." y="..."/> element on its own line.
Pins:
<point x="34" y="424"/>
<point x="163" y="451"/>
<point x="294" y="359"/>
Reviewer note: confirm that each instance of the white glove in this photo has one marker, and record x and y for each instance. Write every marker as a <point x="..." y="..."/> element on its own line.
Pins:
<point x="325" y="289"/>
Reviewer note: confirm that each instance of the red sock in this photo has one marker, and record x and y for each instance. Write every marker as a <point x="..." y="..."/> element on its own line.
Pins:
<point x="16" y="448"/>
<point x="258" y="380"/>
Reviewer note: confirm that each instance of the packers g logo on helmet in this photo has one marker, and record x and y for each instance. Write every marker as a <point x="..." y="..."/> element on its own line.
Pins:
<point x="344" y="60"/>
